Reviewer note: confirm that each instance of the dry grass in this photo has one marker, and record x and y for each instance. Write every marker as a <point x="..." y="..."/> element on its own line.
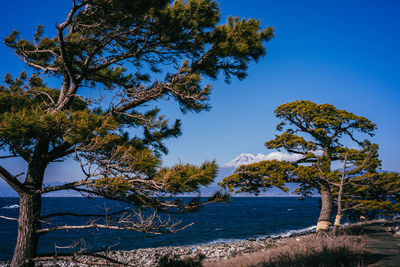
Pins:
<point x="302" y="251"/>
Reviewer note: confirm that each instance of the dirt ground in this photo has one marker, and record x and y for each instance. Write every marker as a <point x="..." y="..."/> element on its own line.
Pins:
<point x="374" y="244"/>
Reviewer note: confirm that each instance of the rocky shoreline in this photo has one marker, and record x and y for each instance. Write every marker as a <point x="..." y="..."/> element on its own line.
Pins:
<point x="151" y="256"/>
<point x="211" y="252"/>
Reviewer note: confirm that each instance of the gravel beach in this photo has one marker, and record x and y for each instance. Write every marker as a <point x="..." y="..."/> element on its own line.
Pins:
<point x="150" y="256"/>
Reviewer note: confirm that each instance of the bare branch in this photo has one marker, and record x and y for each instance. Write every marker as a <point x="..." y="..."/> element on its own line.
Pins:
<point x="8" y="218"/>
<point x="37" y="66"/>
<point x="81" y="215"/>
<point x="9" y="156"/>
<point x="105" y="226"/>
<point x="72" y="185"/>
<point x="133" y="221"/>
<point x="39" y="93"/>
<point x="296" y="151"/>
<point x="352" y="138"/>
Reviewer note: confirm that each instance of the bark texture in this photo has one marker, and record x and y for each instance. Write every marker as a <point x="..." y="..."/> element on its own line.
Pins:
<point x="326" y="209"/>
<point x="28" y="224"/>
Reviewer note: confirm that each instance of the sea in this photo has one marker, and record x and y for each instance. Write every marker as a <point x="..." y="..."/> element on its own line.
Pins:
<point x="241" y="218"/>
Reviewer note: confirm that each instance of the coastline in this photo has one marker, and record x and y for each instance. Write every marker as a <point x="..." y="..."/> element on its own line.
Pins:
<point x="227" y="253"/>
<point x="212" y="251"/>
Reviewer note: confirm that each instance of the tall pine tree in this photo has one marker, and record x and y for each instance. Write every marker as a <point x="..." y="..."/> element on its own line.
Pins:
<point x="113" y="60"/>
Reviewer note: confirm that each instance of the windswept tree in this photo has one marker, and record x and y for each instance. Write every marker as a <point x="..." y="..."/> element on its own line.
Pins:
<point x="314" y="131"/>
<point x="113" y="60"/>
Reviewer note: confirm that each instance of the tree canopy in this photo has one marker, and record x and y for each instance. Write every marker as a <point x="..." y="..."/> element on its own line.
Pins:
<point x="113" y="60"/>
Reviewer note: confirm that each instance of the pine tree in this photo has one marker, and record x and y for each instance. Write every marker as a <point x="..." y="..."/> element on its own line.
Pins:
<point x="366" y="191"/>
<point x="313" y="131"/>
<point x="113" y="60"/>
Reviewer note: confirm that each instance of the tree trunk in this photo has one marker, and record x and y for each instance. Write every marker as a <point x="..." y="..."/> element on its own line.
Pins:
<point x="30" y="204"/>
<point x="339" y="199"/>
<point x="324" y="219"/>
<point x="28" y="223"/>
<point x="339" y="210"/>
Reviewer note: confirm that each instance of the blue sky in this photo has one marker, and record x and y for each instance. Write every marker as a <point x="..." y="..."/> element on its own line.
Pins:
<point x="340" y="52"/>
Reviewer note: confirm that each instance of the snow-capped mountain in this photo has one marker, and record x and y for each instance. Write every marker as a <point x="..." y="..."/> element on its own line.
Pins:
<point x="247" y="158"/>
<point x="242" y="159"/>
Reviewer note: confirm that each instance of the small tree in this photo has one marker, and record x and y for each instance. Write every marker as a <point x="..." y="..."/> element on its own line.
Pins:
<point x="113" y="59"/>
<point x="356" y="164"/>
<point x="363" y="189"/>
<point x="315" y="132"/>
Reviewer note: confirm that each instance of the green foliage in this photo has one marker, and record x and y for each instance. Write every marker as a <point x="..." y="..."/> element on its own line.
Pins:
<point x="291" y="141"/>
<point x="133" y="53"/>
<point x="372" y="194"/>
<point x="266" y="174"/>
<point x="152" y="33"/>
<point x="187" y="178"/>
<point x="322" y="121"/>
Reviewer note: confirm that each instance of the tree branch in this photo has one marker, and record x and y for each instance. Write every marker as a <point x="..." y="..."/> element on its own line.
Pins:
<point x="295" y="151"/>
<point x="305" y="160"/>
<point x="81" y="215"/>
<point x="12" y="181"/>
<point x="8" y="218"/>
<point x="352" y="138"/>
<point x="24" y="153"/>
<point x="60" y="151"/>
<point x="104" y="226"/>
<point x="72" y="186"/>
<point x="133" y="221"/>
<point x="340" y="130"/>
<point x="39" y="93"/>
<point x="29" y="63"/>
<point x="9" y="156"/>
<point x="65" y="96"/>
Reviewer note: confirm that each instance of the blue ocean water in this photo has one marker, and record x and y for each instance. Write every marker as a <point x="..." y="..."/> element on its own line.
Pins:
<point x="239" y="219"/>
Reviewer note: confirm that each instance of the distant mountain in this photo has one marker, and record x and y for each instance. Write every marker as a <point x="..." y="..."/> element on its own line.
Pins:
<point x="226" y="171"/>
<point x="247" y="158"/>
<point x="244" y="159"/>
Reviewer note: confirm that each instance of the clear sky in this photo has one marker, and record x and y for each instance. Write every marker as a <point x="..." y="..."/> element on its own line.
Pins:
<point x="345" y="53"/>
